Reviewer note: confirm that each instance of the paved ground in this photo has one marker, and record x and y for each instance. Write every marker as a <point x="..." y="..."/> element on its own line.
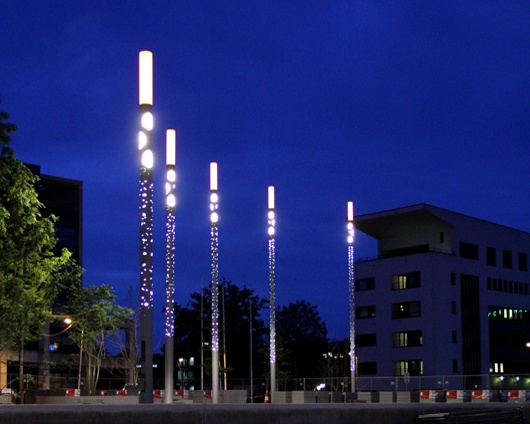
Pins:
<point x="236" y="413"/>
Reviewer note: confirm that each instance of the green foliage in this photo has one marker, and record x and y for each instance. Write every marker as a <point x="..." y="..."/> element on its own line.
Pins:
<point x="301" y="340"/>
<point x="95" y="318"/>
<point x="31" y="275"/>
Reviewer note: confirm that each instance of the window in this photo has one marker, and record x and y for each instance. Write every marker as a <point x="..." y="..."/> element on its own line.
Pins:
<point x="362" y="340"/>
<point x="409" y="280"/>
<point x="454" y="337"/>
<point x="453" y="279"/>
<point x="363" y="284"/>
<point x="468" y="250"/>
<point x="407" y="338"/>
<point x="367" y="368"/>
<point x="453" y="307"/>
<point x="507" y="259"/>
<point x="455" y="366"/>
<point x="365" y="312"/>
<point x="491" y="256"/>
<point x="411" y="366"/>
<point x="523" y="262"/>
<point x="406" y="309"/>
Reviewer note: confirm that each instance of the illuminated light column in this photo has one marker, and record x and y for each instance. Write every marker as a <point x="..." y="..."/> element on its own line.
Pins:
<point x="171" y="177"/>
<point x="351" y="285"/>
<point x="145" y="137"/>
<point x="214" y="247"/>
<point x="272" y="291"/>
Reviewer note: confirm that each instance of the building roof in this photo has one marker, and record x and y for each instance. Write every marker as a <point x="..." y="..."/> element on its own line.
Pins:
<point x="389" y="223"/>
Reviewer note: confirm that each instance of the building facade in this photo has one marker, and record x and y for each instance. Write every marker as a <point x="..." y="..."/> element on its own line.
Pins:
<point x="448" y="294"/>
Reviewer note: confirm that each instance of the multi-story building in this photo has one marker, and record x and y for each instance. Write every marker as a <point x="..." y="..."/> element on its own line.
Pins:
<point x="448" y="294"/>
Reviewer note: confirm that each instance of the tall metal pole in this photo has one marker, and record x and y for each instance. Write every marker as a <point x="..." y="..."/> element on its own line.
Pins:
<point x="272" y="292"/>
<point x="171" y="178"/>
<point x="351" y="280"/>
<point x="214" y="236"/>
<point x="145" y="137"/>
<point x="251" y="361"/>
<point x="225" y="382"/>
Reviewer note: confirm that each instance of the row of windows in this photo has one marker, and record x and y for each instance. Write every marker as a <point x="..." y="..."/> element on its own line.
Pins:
<point x="508" y="286"/>
<point x="408" y="367"/>
<point x="409" y="280"/>
<point x="399" y="310"/>
<point x="501" y="312"/>
<point x="400" y="339"/>
<point x="471" y="251"/>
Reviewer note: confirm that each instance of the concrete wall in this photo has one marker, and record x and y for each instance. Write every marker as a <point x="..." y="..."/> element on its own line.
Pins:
<point x="232" y="414"/>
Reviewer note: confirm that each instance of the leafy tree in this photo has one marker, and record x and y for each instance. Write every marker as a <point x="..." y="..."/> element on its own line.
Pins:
<point x="95" y="319"/>
<point x="236" y="325"/>
<point x="31" y="275"/>
<point x="301" y="340"/>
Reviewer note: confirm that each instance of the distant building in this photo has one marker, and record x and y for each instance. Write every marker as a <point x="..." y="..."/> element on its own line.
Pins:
<point x="63" y="197"/>
<point x="448" y="294"/>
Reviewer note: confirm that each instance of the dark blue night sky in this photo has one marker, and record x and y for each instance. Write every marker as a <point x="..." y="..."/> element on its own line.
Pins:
<point x="384" y="103"/>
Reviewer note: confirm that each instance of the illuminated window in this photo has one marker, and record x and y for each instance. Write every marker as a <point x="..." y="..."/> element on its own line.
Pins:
<point x="409" y="280"/>
<point x="412" y="367"/>
<point x="407" y="338"/>
<point x="406" y="310"/>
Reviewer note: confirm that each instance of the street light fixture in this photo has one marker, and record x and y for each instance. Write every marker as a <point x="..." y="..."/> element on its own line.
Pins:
<point x="214" y="247"/>
<point x="171" y="178"/>
<point x="351" y="280"/>
<point x="146" y="223"/>
<point x="272" y="289"/>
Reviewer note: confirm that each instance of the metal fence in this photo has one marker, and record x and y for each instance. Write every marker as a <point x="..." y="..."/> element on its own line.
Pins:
<point x="334" y="384"/>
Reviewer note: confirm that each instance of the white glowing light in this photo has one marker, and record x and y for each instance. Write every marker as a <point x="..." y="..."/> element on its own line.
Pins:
<point x="171" y="175"/>
<point x="214" y="198"/>
<point x="350" y="225"/>
<point x="147" y="159"/>
<point x="350" y="239"/>
<point x="142" y="140"/>
<point x="171" y="200"/>
<point x="146" y="77"/>
<point x="271" y="215"/>
<point x="214" y="217"/>
<point x="350" y="211"/>
<point x="168" y="188"/>
<point x="271" y="197"/>
<point x="213" y="176"/>
<point x="271" y="231"/>
<point x="171" y="147"/>
<point x="147" y="121"/>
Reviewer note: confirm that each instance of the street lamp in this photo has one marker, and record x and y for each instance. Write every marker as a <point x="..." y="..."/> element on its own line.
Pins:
<point x="145" y="136"/>
<point x="272" y="289"/>
<point x="171" y="177"/>
<point x="351" y="280"/>
<point x="214" y="247"/>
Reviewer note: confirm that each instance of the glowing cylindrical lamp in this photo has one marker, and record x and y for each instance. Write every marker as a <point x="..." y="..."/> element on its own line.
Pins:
<point x="145" y="137"/>
<point x="214" y="248"/>
<point x="171" y="177"/>
<point x="272" y="289"/>
<point x="146" y="78"/>
<point x="351" y="287"/>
